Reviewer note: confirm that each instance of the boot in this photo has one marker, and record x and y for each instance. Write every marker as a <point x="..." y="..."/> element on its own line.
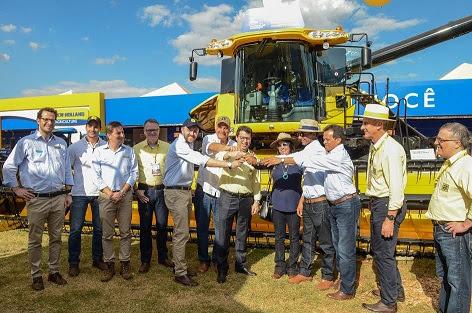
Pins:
<point x="109" y="272"/>
<point x="126" y="270"/>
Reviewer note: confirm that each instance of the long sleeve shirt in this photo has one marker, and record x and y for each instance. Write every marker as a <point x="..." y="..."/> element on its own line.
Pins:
<point x="313" y="178"/>
<point x="114" y="169"/>
<point x="43" y="165"/>
<point x="243" y="179"/>
<point x="386" y="171"/>
<point x="339" y="172"/>
<point x="180" y="162"/>
<point x="451" y="200"/>
<point x="81" y="157"/>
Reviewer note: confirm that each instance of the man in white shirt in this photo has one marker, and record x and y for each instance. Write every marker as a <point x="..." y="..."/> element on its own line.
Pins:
<point x="84" y="192"/>
<point x="178" y="178"/>
<point x="207" y="192"/>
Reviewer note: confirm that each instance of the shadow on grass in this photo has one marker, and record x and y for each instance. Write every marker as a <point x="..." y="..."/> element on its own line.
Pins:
<point x="154" y="291"/>
<point x="425" y="274"/>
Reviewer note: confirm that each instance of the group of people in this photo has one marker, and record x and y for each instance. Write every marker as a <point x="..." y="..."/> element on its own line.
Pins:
<point x="314" y="184"/>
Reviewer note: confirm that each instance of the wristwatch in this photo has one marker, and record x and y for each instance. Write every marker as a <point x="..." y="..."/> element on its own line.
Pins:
<point x="390" y="217"/>
<point x="229" y="165"/>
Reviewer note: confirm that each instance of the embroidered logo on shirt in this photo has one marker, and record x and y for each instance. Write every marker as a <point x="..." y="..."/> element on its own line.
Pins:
<point x="445" y="187"/>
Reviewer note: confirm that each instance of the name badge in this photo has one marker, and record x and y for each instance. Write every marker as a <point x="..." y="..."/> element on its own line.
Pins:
<point x="155" y="169"/>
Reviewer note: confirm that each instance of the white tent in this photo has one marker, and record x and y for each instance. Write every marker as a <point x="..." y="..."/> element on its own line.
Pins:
<point x="169" y="90"/>
<point x="463" y="71"/>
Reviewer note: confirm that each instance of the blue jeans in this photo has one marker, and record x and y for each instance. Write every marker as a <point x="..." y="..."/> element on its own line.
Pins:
<point x="344" y="219"/>
<point x="77" y="219"/>
<point x="316" y="224"/>
<point x="453" y="266"/>
<point x="204" y="204"/>
<point x="157" y="206"/>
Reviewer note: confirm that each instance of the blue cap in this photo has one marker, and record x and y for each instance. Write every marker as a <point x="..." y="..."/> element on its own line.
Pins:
<point x="191" y="122"/>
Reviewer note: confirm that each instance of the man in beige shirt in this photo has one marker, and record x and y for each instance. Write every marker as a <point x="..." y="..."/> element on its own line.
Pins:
<point x="239" y="197"/>
<point x="450" y="210"/>
<point x="151" y="156"/>
<point x="386" y="181"/>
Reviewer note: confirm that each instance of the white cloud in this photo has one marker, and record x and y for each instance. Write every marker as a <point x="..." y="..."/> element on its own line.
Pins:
<point x="85" y="38"/>
<point x="373" y="25"/>
<point x="111" y="88"/>
<point x="9" y="42"/>
<point x="327" y="13"/>
<point x="35" y="46"/>
<point x="4" y="57"/>
<point x="157" y="14"/>
<point x="206" y="83"/>
<point x="26" y="30"/>
<point x="109" y="61"/>
<point x="7" y="28"/>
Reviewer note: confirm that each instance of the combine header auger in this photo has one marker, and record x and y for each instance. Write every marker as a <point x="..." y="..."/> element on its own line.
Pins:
<point x="270" y="79"/>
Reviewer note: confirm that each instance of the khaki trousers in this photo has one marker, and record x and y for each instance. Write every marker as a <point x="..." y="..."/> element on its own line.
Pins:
<point x="120" y="211"/>
<point x="179" y="203"/>
<point x="41" y="211"/>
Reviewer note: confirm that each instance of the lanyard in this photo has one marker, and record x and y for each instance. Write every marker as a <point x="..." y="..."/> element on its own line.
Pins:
<point x="372" y="153"/>
<point x="447" y="165"/>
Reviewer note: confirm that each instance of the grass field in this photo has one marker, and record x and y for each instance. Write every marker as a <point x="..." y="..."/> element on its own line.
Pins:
<point x="156" y="291"/>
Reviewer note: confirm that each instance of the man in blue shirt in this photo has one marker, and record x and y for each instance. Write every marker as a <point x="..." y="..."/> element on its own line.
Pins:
<point x="45" y="175"/>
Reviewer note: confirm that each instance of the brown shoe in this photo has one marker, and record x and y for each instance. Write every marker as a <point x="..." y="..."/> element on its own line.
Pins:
<point x="100" y="265"/>
<point x="74" y="270"/>
<point x="339" y="295"/>
<point x="299" y="279"/>
<point x="37" y="284"/>
<point x="125" y="271"/>
<point x="144" y="268"/>
<point x="109" y="273"/>
<point x="57" y="279"/>
<point x="400" y="297"/>
<point x="166" y="263"/>
<point x="277" y="275"/>
<point x="325" y="284"/>
<point x="203" y="268"/>
<point x="186" y="281"/>
<point x="380" y="307"/>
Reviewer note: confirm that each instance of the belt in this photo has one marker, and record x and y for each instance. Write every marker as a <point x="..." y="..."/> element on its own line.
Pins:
<point x="177" y="187"/>
<point x="51" y="194"/>
<point x="146" y="186"/>
<point x="439" y="222"/>
<point x="237" y="194"/>
<point x="315" y="200"/>
<point x="343" y="198"/>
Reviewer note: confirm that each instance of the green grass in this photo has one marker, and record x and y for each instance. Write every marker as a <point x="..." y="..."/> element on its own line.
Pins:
<point x="157" y="292"/>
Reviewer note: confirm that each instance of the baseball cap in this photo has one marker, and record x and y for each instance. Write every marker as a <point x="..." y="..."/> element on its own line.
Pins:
<point x="222" y="119"/>
<point x="191" y="122"/>
<point x="94" y="118"/>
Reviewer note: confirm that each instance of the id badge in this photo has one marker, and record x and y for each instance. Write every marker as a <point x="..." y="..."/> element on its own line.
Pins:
<point x="155" y="169"/>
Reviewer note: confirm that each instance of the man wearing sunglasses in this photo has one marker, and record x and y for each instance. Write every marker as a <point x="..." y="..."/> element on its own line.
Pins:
<point x="313" y="206"/>
<point x="451" y="213"/>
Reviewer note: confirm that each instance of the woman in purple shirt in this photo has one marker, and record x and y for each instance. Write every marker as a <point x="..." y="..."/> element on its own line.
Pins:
<point x="286" y="192"/>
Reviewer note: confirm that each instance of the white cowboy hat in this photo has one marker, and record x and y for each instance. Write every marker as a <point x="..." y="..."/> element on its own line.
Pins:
<point x="377" y="112"/>
<point x="309" y="126"/>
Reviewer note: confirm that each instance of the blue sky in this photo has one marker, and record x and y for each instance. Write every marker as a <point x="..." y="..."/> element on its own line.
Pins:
<point x="128" y="48"/>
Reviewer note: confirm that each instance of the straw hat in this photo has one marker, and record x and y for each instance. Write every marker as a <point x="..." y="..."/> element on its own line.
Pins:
<point x="377" y="112"/>
<point x="309" y="126"/>
<point x="283" y="137"/>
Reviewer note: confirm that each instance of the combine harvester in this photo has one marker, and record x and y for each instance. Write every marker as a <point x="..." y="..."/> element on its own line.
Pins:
<point x="277" y="73"/>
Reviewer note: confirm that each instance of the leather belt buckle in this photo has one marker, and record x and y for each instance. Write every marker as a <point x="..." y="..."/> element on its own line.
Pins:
<point x="315" y="200"/>
<point x="343" y="199"/>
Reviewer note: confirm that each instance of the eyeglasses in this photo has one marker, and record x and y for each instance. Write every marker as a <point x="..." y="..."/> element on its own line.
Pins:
<point x="152" y="130"/>
<point x="301" y="134"/>
<point x="48" y="119"/>
<point x="440" y="140"/>
<point x="283" y="144"/>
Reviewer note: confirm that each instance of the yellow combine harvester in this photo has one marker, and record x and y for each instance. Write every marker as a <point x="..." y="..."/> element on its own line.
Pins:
<point x="271" y="79"/>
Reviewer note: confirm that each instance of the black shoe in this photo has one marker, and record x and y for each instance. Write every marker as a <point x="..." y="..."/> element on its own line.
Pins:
<point x="245" y="271"/>
<point x="166" y="263"/>
<point x="186" y="281"/>
<point x="144" y="268"/>
<point x="37" y="284"/>
<point x="57" y="279"/>
<point x="221" y="278"/>
<point x="380" y="307"/>
<point x="74" y="270"/>
<point x="100" y="265"/>
<point x="400" y="297"/>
